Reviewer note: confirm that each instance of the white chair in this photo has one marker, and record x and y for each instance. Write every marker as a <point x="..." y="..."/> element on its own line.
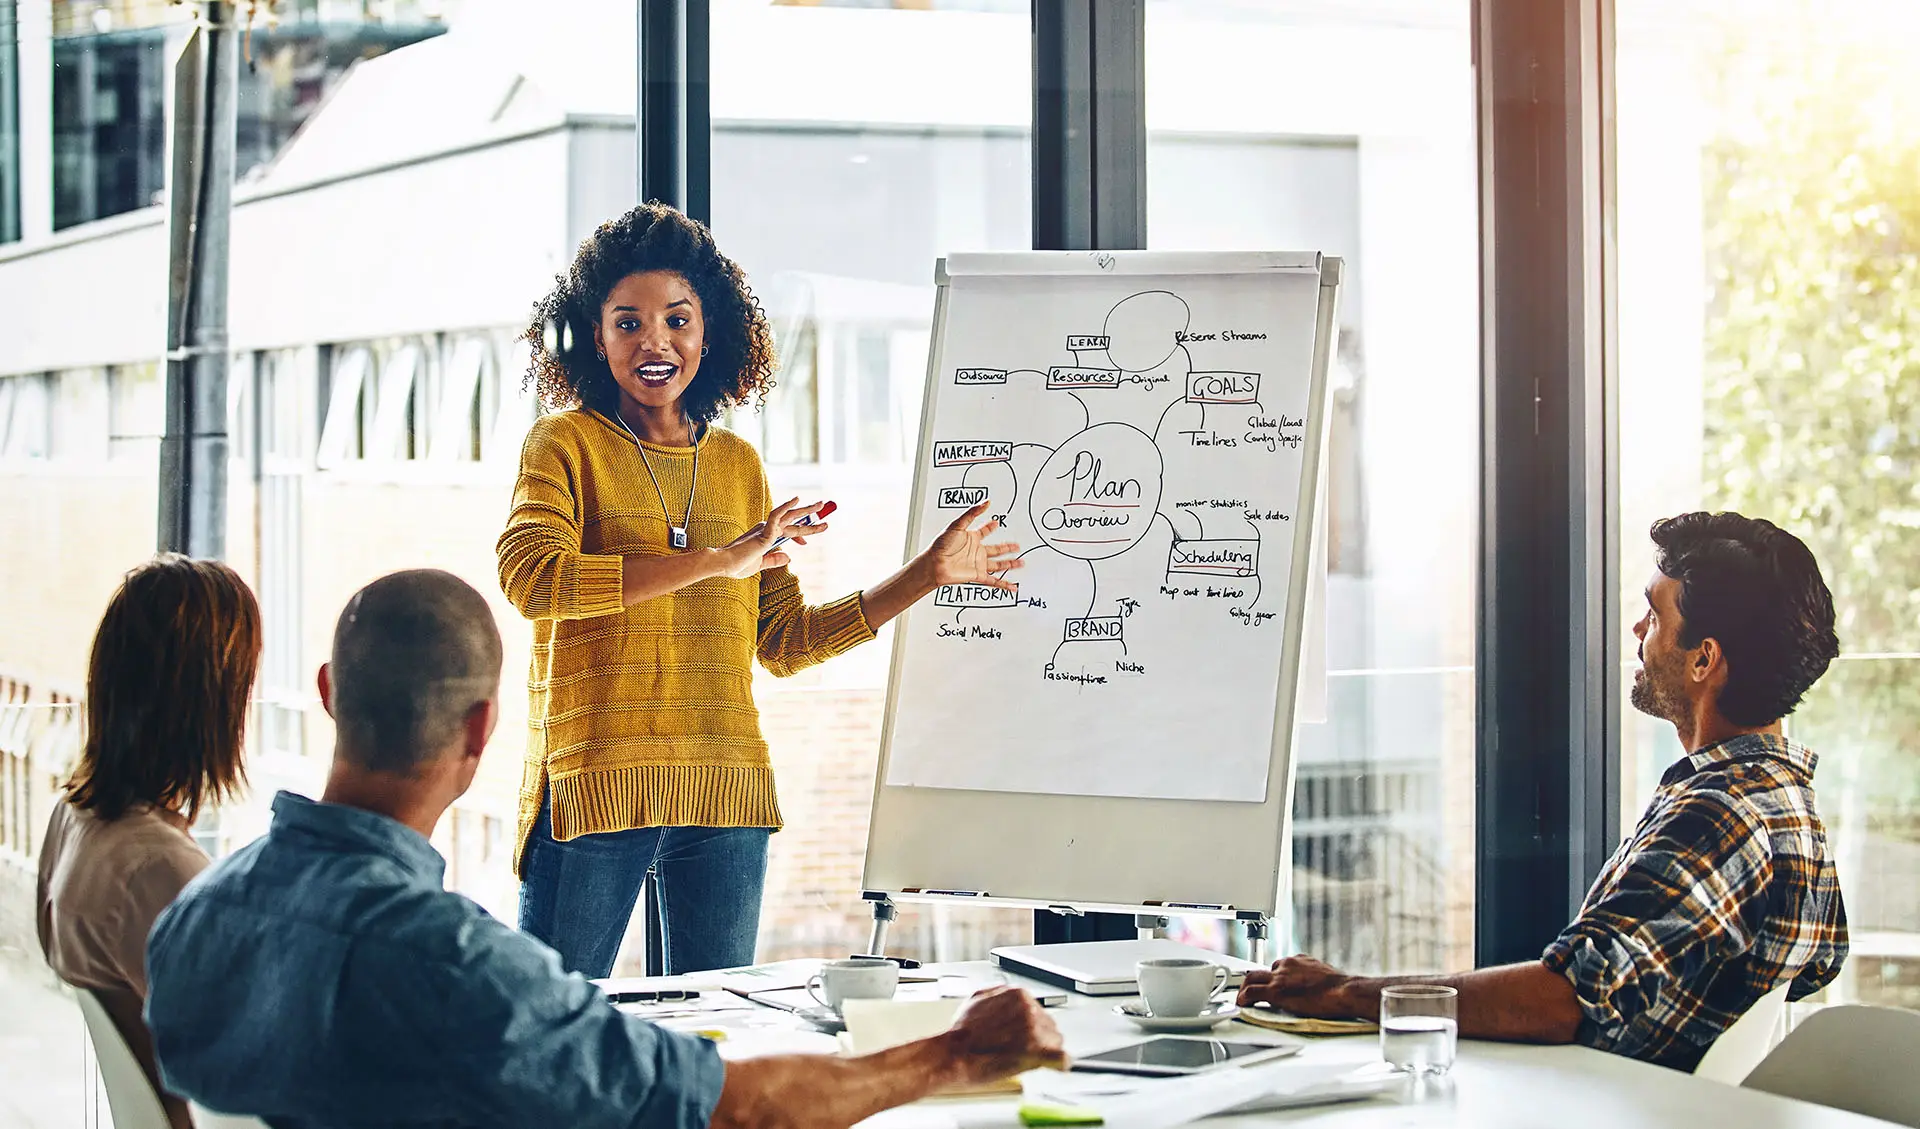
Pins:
<point x="129" y="1093"/>
<point x="204" y="1118"/>
<point x="1850" y="1057"/>
<point x="131" y="1096"/>
<point x="1741" y="1047"/>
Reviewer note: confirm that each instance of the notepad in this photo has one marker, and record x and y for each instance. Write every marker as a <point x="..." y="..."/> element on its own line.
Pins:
<point x="1301" y="1025"/>
<point x="877" y="1025"/>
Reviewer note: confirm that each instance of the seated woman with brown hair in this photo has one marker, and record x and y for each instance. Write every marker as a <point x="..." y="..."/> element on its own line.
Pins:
<point x="167" y="690"/>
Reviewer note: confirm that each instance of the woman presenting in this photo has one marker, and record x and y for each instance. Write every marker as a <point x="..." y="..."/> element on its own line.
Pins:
<point x="645" y="545"/>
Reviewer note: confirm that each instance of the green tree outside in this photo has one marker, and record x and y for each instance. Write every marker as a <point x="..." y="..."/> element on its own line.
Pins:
<point x="1812" y="367"/>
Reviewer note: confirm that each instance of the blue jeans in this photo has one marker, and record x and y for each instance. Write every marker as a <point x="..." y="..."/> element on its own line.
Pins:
<point x="578" y="896"/>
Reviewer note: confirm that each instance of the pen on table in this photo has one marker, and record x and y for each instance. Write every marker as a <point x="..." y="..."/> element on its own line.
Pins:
<point x="653" y="995"/>
<point x="903" y="962"/>
<point x="754" y="998"/>
<point x="810" y="519"/>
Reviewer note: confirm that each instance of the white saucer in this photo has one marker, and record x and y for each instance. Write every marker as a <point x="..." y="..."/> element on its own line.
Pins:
<point x="1210" y="1017"/>
<point x="825" y="1019"/>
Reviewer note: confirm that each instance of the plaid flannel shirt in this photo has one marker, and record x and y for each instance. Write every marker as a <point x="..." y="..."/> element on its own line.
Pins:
<point x="1724" y="890"/>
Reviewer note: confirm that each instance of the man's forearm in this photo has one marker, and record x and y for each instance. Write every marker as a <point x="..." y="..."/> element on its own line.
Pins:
<point x="1521" y="1003"/>
<point x="825" y="1092"/>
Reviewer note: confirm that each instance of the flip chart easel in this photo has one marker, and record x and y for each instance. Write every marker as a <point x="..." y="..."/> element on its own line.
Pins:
<point x="1117" y="735"/>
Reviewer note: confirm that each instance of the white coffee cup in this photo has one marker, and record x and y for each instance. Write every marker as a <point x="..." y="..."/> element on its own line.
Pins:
<point x="1179" y="987"/>
<point x="862" y="978"/>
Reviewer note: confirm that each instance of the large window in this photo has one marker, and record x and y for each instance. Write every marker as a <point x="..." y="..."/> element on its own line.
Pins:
<point x="1769" y="218"/>
<point x="1246" y="152"/>
<point x="397" y="217"/>
<point x="836" y="202"/>
<point x="386" y="255"/>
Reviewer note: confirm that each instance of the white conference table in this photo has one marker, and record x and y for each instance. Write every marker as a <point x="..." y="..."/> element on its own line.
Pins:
<point x="1491" y="1086"/>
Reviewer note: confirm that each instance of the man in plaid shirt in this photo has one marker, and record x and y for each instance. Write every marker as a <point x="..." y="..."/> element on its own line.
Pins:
<point x="1726" y="888"/>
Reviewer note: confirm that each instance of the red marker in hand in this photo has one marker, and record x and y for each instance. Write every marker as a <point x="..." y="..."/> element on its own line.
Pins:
<point x="810" y="519"/>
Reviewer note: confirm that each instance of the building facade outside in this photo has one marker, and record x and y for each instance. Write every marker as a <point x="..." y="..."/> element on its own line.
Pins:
<point x="385" y="260"/>
<point x="85" y="91"/>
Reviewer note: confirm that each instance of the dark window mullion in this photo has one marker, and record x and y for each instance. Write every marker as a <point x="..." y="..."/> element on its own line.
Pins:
<point x="673" y="142"/>
<point x="1089" y="125"/>
<point x="1548" y="646"/>
<point x="1089" y="193"/>
<point x="673" y="148"/>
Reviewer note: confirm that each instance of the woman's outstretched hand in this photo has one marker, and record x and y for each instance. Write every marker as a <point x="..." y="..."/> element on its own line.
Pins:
<point x="961" y="555"/>
<point x="753" y="552"/>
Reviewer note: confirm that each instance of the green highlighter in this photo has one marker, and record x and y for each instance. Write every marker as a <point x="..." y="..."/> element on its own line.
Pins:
<point x="1035" y="1113"/>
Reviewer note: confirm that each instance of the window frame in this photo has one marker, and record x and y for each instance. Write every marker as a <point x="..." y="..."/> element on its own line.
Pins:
<point x="11" y="440"/>
<point x="344" y="381"/>
<point x="1548" y="642"/>
<point x="393" y="436"/>
<point x="1548" y="653"/>
<point x="459" y="418"/>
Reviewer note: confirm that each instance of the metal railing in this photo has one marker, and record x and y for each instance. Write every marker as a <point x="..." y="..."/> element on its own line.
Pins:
<point x="39" y="740"/>
<point x="1369" y="891"/>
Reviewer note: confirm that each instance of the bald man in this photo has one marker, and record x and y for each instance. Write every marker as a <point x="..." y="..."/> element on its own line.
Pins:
<point x="322" y="977"/>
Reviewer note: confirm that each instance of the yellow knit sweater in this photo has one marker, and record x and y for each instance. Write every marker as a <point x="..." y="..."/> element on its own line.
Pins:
<point x="644" y="716"/>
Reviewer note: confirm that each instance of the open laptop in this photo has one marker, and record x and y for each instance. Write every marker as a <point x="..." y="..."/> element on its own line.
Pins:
<point x="1106" y="968"/>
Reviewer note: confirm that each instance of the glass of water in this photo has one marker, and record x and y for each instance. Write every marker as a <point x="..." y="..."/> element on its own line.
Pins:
<point x="1419" y="1027"/>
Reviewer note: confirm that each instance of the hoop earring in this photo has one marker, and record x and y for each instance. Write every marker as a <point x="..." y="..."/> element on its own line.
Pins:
<point x="703" y="350"/>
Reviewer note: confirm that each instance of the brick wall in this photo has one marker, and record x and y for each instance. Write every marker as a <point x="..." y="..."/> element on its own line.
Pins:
<point x="824" y="747"/>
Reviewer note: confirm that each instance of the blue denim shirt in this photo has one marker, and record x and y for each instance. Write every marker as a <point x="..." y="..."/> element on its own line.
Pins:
<point x="322" y="977"/>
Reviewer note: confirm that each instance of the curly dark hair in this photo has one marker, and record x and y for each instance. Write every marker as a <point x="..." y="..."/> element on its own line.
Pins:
<point x="1756" y="589"/>
<point x="565" y="369"/>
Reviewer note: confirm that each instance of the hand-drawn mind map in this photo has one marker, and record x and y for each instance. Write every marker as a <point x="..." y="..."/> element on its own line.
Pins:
<point x="1096" y="495"/>
<point x="1149" y="471"/>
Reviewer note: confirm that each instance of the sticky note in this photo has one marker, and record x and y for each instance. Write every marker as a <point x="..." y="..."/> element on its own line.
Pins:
<point x="1034" y="1113"/>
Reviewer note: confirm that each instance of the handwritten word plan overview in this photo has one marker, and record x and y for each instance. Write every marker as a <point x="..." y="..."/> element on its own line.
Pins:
<point x="1144" y="441"/>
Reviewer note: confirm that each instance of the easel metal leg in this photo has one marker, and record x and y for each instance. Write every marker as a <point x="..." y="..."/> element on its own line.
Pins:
<point x="884" y="912"/>
<point x="1146" y="924"/>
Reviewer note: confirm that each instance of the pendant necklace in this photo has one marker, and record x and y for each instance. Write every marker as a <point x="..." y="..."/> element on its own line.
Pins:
<point x="676" y="534"/>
